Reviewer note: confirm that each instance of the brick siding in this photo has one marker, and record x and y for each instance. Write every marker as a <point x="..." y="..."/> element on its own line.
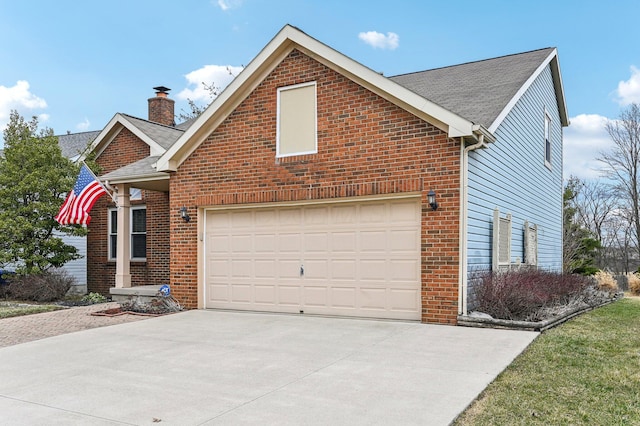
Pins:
<point x="366" y="146"/>
<point x="125" y="149"/>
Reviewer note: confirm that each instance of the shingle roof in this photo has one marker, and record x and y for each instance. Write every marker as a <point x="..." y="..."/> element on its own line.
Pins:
<point x="139" y="168"/>
<point x="165" y="136"/>
<point x="477" y="91"/>
<point x="74" y="144"/>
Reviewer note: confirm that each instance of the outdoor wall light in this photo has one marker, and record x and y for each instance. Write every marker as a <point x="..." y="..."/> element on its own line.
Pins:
<point x="184" y="215"/>
<point x="431" y="199"/>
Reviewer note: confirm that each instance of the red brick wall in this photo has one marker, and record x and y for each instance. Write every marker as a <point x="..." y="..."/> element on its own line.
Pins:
<point x="366" y="146"/>
<point x="125" y="149"/>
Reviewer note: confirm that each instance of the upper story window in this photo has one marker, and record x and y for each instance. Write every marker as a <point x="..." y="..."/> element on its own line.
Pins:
<point x="297" y="120"/>
<point x="138" y="231"/>
<point x="547" y="140"/>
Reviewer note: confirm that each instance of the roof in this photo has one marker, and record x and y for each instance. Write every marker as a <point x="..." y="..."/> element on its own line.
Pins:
<point x="165" y="136"/>
<point x="74" y="144"/>
<point x="288" y="39"/>
<point x="478" y="91"/>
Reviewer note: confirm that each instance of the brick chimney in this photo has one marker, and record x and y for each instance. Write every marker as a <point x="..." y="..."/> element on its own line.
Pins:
<point x="161" y="108"/>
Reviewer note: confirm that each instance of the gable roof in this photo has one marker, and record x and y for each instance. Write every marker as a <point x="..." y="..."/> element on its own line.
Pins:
<point x="484" y="91"/>
<point x="158" y="136"/>
<point x="272" y="54"/>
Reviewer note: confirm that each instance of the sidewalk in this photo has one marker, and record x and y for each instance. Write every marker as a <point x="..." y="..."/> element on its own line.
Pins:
<point x="26" y="328"/>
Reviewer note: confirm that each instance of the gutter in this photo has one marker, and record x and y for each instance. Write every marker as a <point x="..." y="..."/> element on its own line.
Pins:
<point x="464" y="193"/>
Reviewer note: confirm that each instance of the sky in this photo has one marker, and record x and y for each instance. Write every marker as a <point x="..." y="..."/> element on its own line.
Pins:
<point x="75" y="64"/>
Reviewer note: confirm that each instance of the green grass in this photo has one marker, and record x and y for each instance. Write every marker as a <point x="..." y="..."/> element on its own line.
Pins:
<point x="584" y="372"/>
<point x="15" y="309"/>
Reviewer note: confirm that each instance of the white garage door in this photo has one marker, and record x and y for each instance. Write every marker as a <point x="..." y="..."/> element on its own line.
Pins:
<point x="356" y="259"/>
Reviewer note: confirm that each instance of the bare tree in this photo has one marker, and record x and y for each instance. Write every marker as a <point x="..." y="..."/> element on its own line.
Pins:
<point x="595" y="203"/>
<point x="622" y="166"/>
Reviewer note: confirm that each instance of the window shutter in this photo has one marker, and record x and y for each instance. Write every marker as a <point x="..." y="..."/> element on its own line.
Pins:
<point x="501" y="256"/>
<point x="530" y="244"/>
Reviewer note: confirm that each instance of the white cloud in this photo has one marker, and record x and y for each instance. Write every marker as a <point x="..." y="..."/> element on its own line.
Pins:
<point x="83" y="126"/>
<point x="218" y="75"/>
<point x="18" y="98"/>
<point x="229" y="4"/>
<point x="629" y="91"/>
<point x="379" y="40"/>
<point x="584" y="140"/>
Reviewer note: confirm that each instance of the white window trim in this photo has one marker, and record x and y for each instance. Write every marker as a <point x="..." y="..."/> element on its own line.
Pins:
<point x="110" y="234"/>
<point x="315" y="130"/>
<point x="547" y="137"/>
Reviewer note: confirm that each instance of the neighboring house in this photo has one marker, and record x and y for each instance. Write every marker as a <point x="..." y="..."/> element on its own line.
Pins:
<point x="313" y="184"/>
<point x="72" y="146"/>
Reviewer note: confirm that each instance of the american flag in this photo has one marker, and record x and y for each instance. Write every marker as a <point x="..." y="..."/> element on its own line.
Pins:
<point x="85" y="193"/>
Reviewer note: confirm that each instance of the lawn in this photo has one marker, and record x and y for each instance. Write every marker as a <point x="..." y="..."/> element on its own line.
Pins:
<point x="11" y="309"/>
<point x="586" y="371"/>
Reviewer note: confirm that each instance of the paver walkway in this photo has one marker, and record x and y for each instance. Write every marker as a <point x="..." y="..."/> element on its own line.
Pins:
<point x="26" y="328"/>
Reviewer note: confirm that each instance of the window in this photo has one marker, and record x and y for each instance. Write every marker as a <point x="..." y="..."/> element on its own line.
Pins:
<point x="547" y="140"/>
<point x="296" y="132"/>
<point x="135" y="194"/>
<point x="138" y="233"/>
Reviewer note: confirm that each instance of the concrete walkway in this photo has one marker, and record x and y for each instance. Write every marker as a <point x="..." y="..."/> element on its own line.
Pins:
<point x="227" y="368"/>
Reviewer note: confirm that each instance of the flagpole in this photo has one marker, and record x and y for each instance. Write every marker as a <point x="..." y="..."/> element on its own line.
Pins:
<point x="113" y="197"/>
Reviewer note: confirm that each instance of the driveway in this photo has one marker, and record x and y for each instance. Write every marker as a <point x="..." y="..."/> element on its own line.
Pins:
<point x="228" y="368"/>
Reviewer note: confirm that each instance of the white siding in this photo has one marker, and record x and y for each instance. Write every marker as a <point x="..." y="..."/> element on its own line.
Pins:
<point x="77" y="268"/>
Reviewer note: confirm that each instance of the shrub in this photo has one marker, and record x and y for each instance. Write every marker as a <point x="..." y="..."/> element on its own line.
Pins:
<point x="634" y="284"/>
<point x="43" y="287"/>
<point x="606" y="281"/>
<point x="520" y="294"/>
<point x="94" y="298"/>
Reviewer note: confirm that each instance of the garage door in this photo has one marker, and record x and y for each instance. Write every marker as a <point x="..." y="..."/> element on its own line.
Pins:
<point x="348" y="258"/>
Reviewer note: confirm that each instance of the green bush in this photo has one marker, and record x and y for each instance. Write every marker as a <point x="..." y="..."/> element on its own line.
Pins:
<point x="94" y="298"/>
<point x="42" y="287"/>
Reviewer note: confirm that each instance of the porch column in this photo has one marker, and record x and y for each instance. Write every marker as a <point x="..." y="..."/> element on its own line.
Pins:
<point x="123" y="245"/>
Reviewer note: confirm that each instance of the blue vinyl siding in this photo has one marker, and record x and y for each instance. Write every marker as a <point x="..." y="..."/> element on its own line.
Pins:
<point x="511" y="175"/>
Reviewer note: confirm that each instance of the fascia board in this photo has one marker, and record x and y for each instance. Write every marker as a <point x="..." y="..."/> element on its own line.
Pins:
<point x="557" y="82"/>
<point x="270" y="56"/>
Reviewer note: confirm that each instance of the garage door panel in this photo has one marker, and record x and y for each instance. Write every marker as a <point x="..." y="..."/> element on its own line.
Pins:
<point x="241" y="293"/>
<point x="403" y="240"/>
<point x="373" y="241"/>
<point x="265" y="294"/>
<point x="359" y="259"/>
<point x="343" y="297"/>
<point x="265" y="243"/>
<point x="404" y="270"/>
<point x="241" y="268"/>
<point x="289" y="243"/>
<point x="374" y="213"/>
<point x="373" y="298"/>
<point x="265" y="268"/>
<point x="404" y="300"/>
<point x="405" y="212"/>
<point x="315" y="296"/>
<point x="316" y="242"/>
<point x="344" y="242"/>
<point x="289" y="295"/>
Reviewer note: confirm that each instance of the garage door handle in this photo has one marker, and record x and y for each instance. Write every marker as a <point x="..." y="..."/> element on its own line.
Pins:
<point x="301" y="271"/>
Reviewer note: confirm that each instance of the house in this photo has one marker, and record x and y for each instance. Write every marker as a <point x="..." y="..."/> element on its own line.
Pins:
<point x="313" y="184"/>
<point x="72" y="146"/>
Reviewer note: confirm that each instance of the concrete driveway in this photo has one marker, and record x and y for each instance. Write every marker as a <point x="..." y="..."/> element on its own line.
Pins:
<point x="228" y="368"/>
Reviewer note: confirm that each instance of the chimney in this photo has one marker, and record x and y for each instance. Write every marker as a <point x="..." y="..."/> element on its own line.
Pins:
<point x="161" y="108"/>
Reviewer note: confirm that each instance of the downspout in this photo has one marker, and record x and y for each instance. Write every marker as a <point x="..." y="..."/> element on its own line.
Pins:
<point x="464" y="203"/>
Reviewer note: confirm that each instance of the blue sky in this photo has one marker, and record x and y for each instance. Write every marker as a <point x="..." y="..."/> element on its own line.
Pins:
<point x="74" y="64"/>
